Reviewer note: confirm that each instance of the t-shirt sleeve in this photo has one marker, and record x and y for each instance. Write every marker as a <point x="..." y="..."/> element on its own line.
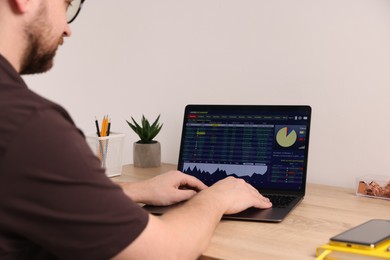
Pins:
<point x="60" y="198"/>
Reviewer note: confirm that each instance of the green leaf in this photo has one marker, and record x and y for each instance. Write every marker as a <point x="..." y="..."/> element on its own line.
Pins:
<point x="145" y="131"/>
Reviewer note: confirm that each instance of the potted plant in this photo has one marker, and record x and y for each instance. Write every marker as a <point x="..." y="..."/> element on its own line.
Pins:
<point x="146" y="151"/>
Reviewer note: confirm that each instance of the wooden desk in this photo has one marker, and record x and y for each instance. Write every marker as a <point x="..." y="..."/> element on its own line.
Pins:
<point x="324" y="212"/>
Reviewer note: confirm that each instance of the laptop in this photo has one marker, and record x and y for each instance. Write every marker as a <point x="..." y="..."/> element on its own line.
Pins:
<point x="267" y="146"/>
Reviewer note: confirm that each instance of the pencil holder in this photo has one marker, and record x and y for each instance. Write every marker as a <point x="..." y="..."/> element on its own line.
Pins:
<point x="109" y="150"/>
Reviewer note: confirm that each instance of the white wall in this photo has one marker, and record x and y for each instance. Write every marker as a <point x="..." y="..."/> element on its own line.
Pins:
<point x="128" y="58"/>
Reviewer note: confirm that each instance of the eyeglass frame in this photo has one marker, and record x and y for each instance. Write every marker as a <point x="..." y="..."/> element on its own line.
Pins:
<point x="78" y="11"/>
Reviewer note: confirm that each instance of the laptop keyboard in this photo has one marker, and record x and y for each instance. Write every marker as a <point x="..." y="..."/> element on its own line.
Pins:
<point x="279" y="201"/>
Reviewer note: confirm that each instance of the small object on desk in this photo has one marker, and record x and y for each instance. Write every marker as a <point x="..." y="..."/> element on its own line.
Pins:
<point x="109" y="150"/>
<point x="369" y="240"/>
<point x="373" y="186"/>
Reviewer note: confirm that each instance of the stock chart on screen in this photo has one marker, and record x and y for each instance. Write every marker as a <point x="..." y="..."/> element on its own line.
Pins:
<point x="260" y="148"/>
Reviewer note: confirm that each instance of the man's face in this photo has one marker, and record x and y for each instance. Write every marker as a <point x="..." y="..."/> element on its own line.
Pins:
<point x="42" y="42"/>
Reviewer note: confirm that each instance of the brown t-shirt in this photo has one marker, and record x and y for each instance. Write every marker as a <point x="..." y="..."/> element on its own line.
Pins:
<point x="55" y="200"/>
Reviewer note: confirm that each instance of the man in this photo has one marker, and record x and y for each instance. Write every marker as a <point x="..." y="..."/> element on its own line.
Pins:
<point x="55" y="200"/>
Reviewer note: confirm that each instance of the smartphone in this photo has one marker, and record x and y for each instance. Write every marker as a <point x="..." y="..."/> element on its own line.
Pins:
<point x="367" y="235"/>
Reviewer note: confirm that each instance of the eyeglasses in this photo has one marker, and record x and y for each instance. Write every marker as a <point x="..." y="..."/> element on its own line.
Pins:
<point x="73" y="10"/>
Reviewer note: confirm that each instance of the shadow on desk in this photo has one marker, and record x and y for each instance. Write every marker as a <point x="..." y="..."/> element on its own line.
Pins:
<point x="207" y="258"/>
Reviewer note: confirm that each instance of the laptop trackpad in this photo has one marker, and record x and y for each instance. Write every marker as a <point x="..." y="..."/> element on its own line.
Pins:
<point x="254" y="214"/>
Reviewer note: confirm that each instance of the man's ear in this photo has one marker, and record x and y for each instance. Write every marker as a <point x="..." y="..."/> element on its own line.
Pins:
<point x="20" y="5"/>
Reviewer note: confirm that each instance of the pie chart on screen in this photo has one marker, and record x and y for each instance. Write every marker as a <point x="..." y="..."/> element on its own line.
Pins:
<point x="286" y="137"/>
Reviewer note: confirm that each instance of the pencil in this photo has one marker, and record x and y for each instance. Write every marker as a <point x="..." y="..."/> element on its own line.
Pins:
<point x="97" y="127"/>
<point x="108" y="128"/>
<point x="103" y="132"/>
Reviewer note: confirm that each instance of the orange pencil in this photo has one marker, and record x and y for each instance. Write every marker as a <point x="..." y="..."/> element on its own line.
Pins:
<point x="104" y="126"/>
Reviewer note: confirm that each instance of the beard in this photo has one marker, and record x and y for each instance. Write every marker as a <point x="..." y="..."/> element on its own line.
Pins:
<point x="41" y="48"/>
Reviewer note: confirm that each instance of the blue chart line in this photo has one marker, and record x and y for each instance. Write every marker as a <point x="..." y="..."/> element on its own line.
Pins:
<point x="230" y="169"/>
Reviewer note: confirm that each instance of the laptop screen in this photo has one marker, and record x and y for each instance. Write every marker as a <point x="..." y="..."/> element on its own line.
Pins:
<point x="265" y="145"/>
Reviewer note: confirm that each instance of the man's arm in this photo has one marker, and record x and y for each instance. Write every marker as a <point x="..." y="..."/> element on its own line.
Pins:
<point x="185" y="232"/>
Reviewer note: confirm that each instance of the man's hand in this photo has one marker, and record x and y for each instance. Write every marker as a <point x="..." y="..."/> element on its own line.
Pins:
<point x="164" y="189"/>
<point x="234" y="195"/>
